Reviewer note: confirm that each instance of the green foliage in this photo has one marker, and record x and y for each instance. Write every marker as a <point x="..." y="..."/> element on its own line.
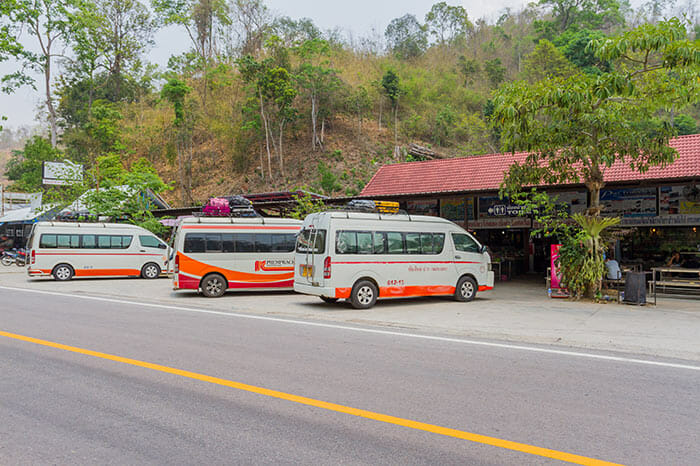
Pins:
<point x="327" y="179"/>
<point x="574" y="45"/>
<point x="495" y="71"/>
<point x="469" y="68"/>
<point x="448" y="24"/>
<point x="406" y="37"/>
<point x="577" y="127"/>
<point x="175" y="92"/>
<point x="391" y="87"/>
<point x="305" y="205"/>
<point x="579" y="14"/>
<point x="685" y="124"/>
<point x="546" y="62"/>
<point x="24" y="169"/>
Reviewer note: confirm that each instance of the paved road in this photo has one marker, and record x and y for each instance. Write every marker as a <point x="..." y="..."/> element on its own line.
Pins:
<point x="61" y="407"/>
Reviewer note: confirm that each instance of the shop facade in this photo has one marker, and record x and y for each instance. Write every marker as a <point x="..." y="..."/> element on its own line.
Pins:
<point x="661" y="207"/>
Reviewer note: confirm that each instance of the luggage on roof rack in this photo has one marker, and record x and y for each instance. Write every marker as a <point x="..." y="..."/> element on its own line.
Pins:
<point x="366" y="205"/>
<point x="228" y="206"/>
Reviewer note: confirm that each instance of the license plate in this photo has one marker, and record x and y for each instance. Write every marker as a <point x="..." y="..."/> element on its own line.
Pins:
<point x="307" y="270"/>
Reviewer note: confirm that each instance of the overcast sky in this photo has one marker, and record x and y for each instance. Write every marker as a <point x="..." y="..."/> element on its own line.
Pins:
<point x="356" y="16"/>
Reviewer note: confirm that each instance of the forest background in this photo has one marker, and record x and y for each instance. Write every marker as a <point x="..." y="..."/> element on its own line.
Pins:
<point x="263" y="103"/>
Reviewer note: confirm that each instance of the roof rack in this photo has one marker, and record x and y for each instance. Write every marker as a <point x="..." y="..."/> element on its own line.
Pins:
<point x="236" y="212"/>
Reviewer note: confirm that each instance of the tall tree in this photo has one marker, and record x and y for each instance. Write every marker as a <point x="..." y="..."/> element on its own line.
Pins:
<point x="175" y="91"/>
<point x="546" y="62"/>
<point x="253" y="24"/>
<point x="578" y="127"/>
<point x="318" y="81"/>
<point x="406" y="37"/>
<point x="580" y="14"/>
<point x="448" y="23"/>
<point x="392" y="89"/>
<point x="48" y="22"/>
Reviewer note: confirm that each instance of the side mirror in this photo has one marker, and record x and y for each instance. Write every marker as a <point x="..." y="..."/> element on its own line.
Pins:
<point x="483" y="249"/>
<point x="162" y="246"/>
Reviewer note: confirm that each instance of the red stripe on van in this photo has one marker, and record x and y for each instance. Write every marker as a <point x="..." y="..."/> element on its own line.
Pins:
<point x="408" y="262"/>
<point x="94" y="254"/>
<point x="240" y="227"/>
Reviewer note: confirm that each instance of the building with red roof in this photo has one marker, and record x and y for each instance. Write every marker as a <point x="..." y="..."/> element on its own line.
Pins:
<point x="662" y="204"/>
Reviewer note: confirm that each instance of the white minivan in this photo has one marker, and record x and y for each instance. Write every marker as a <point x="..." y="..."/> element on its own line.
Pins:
<point x="364" y="256"/>
<point x="66" y="249"/>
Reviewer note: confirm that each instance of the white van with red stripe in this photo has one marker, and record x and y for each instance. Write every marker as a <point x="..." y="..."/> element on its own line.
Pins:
<point x="65" y="250"/>
<point x="362" y="256"/>
<point x="216" y="254"/>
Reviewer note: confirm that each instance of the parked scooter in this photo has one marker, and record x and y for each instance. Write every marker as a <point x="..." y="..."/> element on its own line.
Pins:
<point x="18" y="257"/>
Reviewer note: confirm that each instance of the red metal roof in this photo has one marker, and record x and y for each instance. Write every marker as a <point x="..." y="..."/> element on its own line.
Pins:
<point x="485" y="172"/>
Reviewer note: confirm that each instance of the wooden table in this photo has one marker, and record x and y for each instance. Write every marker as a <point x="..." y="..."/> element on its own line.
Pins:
<point x="692" y="280"/>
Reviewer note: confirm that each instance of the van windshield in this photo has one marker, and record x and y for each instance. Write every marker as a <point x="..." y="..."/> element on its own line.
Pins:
<point x="307" y="237"/>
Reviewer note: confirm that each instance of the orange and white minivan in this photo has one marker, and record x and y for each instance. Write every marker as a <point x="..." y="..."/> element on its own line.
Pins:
<point x="215" y="254"/>
<point x="65" y="250"/>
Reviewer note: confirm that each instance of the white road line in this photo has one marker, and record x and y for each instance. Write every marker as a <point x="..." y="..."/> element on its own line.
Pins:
<point x="369" y="330"/>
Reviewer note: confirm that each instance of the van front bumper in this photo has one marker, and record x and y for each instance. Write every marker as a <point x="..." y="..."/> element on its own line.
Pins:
<point x="306" y="288"/>
<point x="37" y="272"/>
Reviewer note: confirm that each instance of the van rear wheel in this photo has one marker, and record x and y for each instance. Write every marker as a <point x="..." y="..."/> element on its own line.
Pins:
<point x="214" y="285"/>
<point x="62" y="272"/>
<point x="466" y="289"/>
<point x="364" y="294"/>
<point x="150" y="271"/>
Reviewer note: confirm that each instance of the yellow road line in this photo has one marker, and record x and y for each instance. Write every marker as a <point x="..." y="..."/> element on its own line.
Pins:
<point x="483" y="439"/>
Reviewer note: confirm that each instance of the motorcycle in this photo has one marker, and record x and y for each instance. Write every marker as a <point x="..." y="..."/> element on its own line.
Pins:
<point x="14" y="257"/>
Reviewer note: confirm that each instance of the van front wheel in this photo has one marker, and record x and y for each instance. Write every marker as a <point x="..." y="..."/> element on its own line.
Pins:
<point x="466" y="289"/>
<point x="364" y="294"/>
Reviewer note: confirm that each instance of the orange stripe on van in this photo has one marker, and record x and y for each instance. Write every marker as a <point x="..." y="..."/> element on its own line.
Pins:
<point x="199" y="269"/>
<point x="402" y="291"/>
<point x="106" y="272"/>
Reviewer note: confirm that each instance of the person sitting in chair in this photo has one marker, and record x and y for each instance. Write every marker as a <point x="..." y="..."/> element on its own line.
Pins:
<point x="613" y="267"/>
<point x="674" y="260"/>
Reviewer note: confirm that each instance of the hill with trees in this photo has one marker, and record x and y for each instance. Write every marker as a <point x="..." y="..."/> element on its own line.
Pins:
<point x="263" y="103"/>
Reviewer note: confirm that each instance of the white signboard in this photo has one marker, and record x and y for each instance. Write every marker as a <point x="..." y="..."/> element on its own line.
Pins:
<point x="668" y="220"/>
<point x="61" y="173"/>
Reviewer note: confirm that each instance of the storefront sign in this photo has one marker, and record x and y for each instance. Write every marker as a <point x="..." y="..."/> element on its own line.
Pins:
<point x="493" y="206"/>
<point x="668" y="220"/>
<point x="630" y="202"/>
<point x="674" y="200"/>
<point x="500" y="222"/>
<point x="453" y="209"/>
<point x="423" y="207"/>
<point x="573" y="202"/>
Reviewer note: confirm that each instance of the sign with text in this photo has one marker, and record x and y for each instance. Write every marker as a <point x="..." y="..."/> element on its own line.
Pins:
<point x="500" y="223"/>
<point x="453" y="209"/>
<point x="422" y="207"/>
<point x="668" y="220"/>
<point x="674" y="200"/>
<point x="494" y="206"/>
<point x="629" y="202"/>
<point x="61" y="173"/>
<point x="573" y="202"/>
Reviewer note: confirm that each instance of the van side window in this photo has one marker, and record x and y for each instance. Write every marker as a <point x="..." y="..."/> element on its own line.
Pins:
<point x="228" y="242"/>
<point x="263" y="242"/>
<point x="413" y="243"/>
<point x="394" y="243"/>
<point x="464" y="243"/>
<point x="438" y="242"/>
<point x="426" y="243"/>
<point x="47" y="241"/>
<point x="245" y="242"/>
<point x="379" y="242"/>
<point x="63" y="241"/>
<point x="149" y="241"/>
<point x="283" y="242"/>
<point x="103" y="242"/>
<point x="88" y="242"/>
<point x="213" y="242"/>
<point x="194" y="242"/>
<point x="365" y="243"/>
<point x="346" y="242"/>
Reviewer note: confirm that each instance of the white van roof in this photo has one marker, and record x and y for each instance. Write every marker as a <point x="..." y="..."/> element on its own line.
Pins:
<point x="239" y="220"/>
<point x="350" y="215"/>
<point x="86" y="225"/>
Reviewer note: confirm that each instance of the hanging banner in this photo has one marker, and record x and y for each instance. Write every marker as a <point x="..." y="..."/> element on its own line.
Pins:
<point x="679" y="200"/>
<point x="629" y="202"/>
<point x="422" y="207"/>
<point x="453" y="209"/>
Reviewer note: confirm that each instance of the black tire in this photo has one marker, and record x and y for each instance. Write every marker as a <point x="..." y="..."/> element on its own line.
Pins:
<point x="214" y="285"/>
<point x="364" y="294"/>
<point x="63" y="272"/>
<point x="466" y="289"/>
<point x="328" y="300"/>
<point x="7" y="261"/>
<point x="150" y="271"/>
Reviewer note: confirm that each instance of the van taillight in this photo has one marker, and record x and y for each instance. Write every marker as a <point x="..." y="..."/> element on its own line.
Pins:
<point x="176" y="269"/>
<point x="33" y="257"/>
<point x="327" y="267"/>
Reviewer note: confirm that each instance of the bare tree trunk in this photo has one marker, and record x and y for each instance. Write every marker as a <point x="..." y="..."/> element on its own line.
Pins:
<point x="323" y="132"/>
<point x="396" y="126"/>
<point x="49" y="102"/>
<point x="267" y="136"/>
<point x="314" y="137"/>
<point x="262" y="164"/>
<point x="280" y="147"/>
<point x="380" y="112"/>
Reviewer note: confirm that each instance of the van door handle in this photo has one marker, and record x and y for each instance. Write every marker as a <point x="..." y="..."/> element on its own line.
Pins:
<point x="142" y="250"/>
<point x="458" y="257"/>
